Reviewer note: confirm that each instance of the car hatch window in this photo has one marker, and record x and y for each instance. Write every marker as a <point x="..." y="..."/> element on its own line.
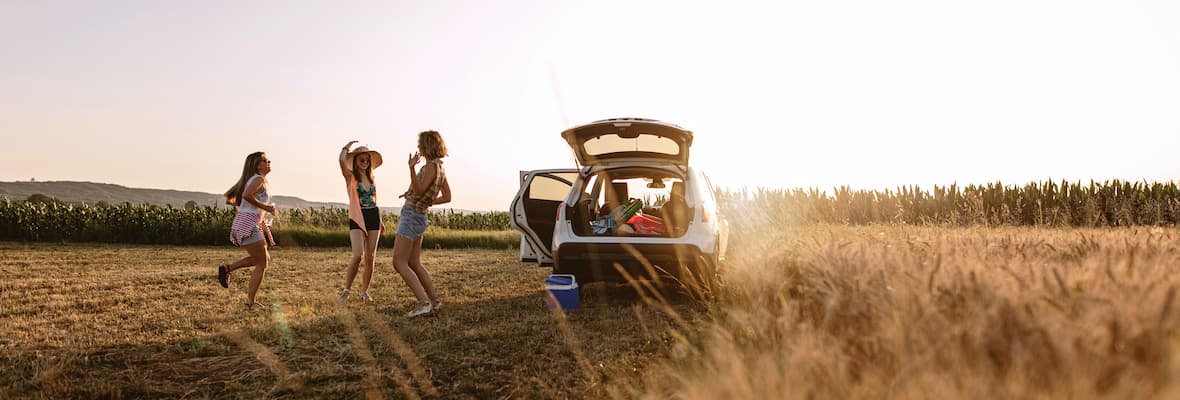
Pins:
<point x="645" y="143"/>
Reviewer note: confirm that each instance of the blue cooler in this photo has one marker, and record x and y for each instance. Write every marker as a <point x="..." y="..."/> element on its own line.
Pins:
<point x="561" y="291"/>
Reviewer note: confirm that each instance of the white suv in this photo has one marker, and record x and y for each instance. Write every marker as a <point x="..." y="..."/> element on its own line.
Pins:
<point x="633" y="202"/>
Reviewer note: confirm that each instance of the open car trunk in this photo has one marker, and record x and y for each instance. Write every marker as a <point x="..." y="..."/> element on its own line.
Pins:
<point x="632" y="201"/>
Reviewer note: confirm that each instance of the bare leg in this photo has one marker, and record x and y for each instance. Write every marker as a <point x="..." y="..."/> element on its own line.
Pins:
<point x="261" y="260"/>
<point x="423" y="275"/>
<point x="370" y="244"/>
<point x="243" y="263"/>
<point x="357" y="237"/>
<point x="402" y="247"/>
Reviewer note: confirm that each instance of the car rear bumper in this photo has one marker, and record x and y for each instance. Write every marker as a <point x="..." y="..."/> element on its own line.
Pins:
<point x="596" y="261"/>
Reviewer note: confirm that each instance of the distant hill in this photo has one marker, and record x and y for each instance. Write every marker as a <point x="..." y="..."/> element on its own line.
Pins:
<point x="91" y="193"/>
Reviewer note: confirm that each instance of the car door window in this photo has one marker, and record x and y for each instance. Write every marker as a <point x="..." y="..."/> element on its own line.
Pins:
<point x="708" y="186"/>
<point x="550" y="187"/>
<point x="541" y="200"/>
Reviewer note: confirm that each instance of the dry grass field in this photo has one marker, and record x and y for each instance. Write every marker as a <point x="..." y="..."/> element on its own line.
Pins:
<point x="83" y="321"/>
<point x="938" y="313"/>
<point x="817" y="312"/>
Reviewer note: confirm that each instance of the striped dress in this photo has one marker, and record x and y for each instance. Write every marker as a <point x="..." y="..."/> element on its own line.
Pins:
<point x="249" y="217"/>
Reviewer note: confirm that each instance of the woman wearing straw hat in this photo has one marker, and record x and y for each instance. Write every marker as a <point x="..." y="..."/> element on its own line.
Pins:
<point x="427" y="187"/>
<point x="251" y="197"/>
<point x="364" y="218"/>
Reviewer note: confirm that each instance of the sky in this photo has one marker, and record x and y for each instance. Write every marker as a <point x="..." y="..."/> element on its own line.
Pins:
<point x="779" y="94"/>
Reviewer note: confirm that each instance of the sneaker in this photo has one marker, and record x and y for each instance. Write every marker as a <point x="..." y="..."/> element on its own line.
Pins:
<point x="365" y="297"/>
<point x="223" y="276"/>
<point x="255" y="305"/>
<point x="344" y="295"/>
<point x="424" y="309"/>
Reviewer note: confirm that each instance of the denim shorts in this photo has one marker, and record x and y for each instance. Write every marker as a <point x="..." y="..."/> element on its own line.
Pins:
<point x="255" y="237"/>
<point x="412" y="224"/>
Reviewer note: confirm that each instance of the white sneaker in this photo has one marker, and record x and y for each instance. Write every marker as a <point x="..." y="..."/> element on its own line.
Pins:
<point x="344" y="295"/>
<point x="365" y="297"/>
<point x="425" y="309"/>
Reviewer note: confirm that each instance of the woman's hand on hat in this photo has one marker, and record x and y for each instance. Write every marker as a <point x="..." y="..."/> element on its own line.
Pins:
<point x="349" y="145"/>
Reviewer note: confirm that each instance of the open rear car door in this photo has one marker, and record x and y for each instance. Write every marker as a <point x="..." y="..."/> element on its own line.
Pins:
<point x="534" y="210"/>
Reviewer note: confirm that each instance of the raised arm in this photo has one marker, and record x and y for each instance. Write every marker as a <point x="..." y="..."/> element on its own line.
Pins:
<point x="345" y="169"/>
<point x="428" y="174"/>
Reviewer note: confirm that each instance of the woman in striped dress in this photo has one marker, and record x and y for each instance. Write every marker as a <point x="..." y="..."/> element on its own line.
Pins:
<point x="251" y="198"/>
<point x="427" y="187"/>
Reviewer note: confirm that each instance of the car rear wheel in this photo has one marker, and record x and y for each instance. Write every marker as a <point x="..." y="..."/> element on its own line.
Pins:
<point x="710" y="276"/>
<point x="700" y="278"/>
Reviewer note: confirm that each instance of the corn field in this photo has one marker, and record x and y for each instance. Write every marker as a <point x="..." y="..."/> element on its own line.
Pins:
<point x="53" y="221"/>
<point x="126" y="223"/>
<point x="1064" y="204"/>
<point x="337" y="218"/>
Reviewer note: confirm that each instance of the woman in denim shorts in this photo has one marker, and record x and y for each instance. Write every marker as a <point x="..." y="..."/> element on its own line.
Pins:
<point x="428" y="186"/>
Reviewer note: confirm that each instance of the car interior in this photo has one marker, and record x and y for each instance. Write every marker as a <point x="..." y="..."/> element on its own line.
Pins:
<point x="631" y="202"/>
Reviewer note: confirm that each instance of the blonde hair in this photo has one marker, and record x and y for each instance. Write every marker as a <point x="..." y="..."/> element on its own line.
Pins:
<point x="233" y="196"/>
<point x="431" y="145"/>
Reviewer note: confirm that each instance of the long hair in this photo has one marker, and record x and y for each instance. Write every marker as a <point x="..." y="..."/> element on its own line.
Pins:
<point x="356" y="173"/>
<point x="233" y="196"/>
<point x="431" y="145"/>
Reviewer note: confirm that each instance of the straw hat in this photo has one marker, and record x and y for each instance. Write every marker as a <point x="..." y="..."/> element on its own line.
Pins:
<point x="374" y="156"/>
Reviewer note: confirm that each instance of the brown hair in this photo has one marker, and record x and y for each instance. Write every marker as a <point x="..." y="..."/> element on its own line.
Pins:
<point x="233" y="196"/>
<point x="431" y="145"/>
<point x="368" y="170"/>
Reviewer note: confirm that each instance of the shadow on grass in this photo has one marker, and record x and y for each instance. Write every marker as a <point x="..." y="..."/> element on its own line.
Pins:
<point x="507" y="346"/>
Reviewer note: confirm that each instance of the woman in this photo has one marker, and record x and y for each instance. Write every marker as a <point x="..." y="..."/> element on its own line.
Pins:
<point x="364" y="218"/>
<point x="427" y="187"/>
<point x="251" y="198"/>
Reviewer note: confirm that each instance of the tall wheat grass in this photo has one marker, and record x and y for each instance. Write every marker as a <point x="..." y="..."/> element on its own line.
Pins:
<point x="1109" y="203"/>
<point x="922" y="312"/>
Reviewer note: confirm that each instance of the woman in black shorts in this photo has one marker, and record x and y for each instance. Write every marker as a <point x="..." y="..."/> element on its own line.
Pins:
<point x="364" y="218"/>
